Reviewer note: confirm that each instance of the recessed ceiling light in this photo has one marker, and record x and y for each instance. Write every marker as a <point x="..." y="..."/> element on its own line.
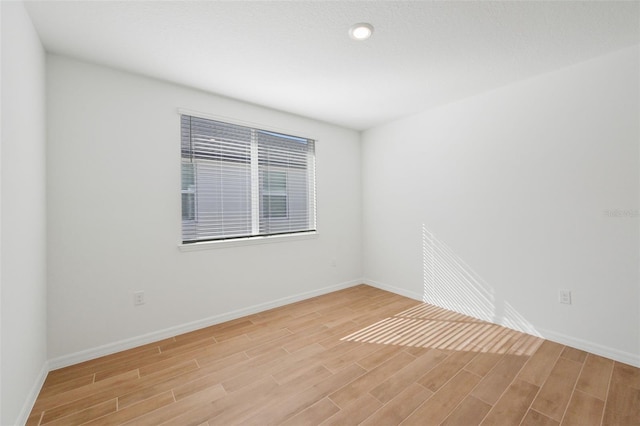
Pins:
<point x="361" y="31"/>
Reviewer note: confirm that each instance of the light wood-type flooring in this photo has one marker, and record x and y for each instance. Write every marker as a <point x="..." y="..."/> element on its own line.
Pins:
<point x="355" y="356"/>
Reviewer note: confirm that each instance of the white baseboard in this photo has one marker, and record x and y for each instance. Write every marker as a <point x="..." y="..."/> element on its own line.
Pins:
<point x="23" y="416"/>
<point x="594" y="348"/>
<point x="133" y="342"/>
<point x="393" y="289"/>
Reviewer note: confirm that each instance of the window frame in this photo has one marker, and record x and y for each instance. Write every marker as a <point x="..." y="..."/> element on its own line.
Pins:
<point x="251" y="239"/>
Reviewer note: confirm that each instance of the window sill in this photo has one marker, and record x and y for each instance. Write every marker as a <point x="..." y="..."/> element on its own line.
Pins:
<point x="209" y="245"/>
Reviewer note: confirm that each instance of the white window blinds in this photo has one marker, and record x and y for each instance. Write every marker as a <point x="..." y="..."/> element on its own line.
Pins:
<point x="240" y="182"/>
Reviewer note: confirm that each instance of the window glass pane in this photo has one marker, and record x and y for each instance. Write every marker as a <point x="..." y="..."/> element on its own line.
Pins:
<point x="188" y="192"/>
<point x="275" y="182"/>
<point x="274" y="206"/>
<point x="188" y="206"/>
<point x="188" y="177"/>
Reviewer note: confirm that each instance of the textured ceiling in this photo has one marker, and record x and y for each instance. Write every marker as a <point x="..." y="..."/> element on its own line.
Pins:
<point x="298" y="57"/>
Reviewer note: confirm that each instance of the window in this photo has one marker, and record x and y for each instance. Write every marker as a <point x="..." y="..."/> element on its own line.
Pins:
<point x="240" y="182"/>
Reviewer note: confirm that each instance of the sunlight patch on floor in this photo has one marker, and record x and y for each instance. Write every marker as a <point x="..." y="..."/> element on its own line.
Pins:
<point x="429" y="326"/>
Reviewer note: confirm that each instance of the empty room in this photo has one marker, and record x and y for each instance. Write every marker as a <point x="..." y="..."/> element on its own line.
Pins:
<point x="320" y="212"/>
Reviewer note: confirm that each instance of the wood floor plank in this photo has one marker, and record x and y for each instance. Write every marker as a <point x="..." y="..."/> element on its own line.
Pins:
<point x="114" y="364"/>
<point x="416" y="351"/>
<point x="212" y="374"/>
<point x="375" y="314"/>
<point x="151" y="381"/>
<point x="437" y="408"/>
<point x="231" y="407"/>
<point x="69" y="396"/>
<point x="623" y="406"/>
<point x="314" y="415"/>
<point x="233" y="326"/>
<point x="165" y="380"/>
<point x="534" y="418"/>
<point x="114" y="372"/>
<point x="512" y="405"/>
<point x="209" y="382"/>
<point x="355" y="413"/>
<point x="179" y="408"/>
<point x="312" y="339"/>
<point x="445" y="370"/>
<point x="101" y="393"/>
<point x="471" y="411"/>
<point x="282" y="410"/>
<point x="399" y="407"/>
<point x="186" y="345"/>
<point x="299" y="361"/>
<point x="391" y="387"/>
<point x="595" y="376"/>
<point x="383" y="353"/>
<point x="279" y="343"/>
<point x="310" y="320"/>
<point x="574" y="354"/>
<point x="101" y="364"/>
<point x="311" y="374"/>
<point x="267" y="334"/>
<point x="626" y="375"/>
<point x="539" y="366"/>
<point x="240" y="411"/>
<point x="358" y="355"/>
<point x="224" y="331"/>
<point x="34" y="418"/>
<point x="133" y="411"/>
<point x="526" y="345"/>
<point x="502" y="343"/>
<point x="623" y="400"/>
<point x="584" y="410"/>
<point x="157" y="366"/>
<point x="247" y="377"/>
<point x="370" y="380"/>
<point x="332" y="353"/>
<point x="499" y="378"/>
<point x="359" y="352"/>
<point x="482" y="363"/>
<point x="556" y="391"/>
<point x="60" y="387"/>
<point x="83" y="416"/>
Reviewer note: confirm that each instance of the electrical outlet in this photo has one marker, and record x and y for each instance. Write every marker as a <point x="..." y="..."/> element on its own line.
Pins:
<point x="564" y="296"/>
<point x="138" y="298"/>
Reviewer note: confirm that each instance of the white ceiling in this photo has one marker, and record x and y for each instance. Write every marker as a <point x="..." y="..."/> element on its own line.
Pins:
<point x="296" y="56"/>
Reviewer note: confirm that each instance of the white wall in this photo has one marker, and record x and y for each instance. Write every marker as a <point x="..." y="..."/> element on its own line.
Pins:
<point x="114" y="215"/>
<point x="23" y="202"/>
<point x="489" y="205"/>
